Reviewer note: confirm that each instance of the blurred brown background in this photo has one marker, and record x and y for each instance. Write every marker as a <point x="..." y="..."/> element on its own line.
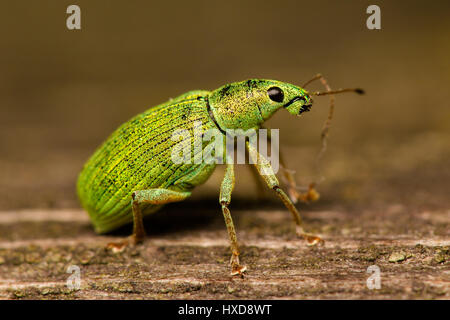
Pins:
<point x="63" y="92"/>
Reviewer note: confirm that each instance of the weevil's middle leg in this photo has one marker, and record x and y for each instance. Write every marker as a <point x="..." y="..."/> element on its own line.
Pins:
<point x="226" y="188"/>
<point x="151" y="196"/>
<point x="265" y="170"/>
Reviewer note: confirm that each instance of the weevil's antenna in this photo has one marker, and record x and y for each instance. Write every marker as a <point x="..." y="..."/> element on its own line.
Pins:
<point x="317" y="76"/>
<point x="356" y="90"/>
<point x="327" y="124"/>
<point x="325" y="128"/>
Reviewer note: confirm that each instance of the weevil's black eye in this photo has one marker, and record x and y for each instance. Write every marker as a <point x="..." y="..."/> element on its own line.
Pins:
<point x="275" y="94"/>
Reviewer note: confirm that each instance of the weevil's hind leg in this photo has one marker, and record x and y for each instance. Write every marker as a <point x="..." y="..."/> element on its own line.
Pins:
<point x="151" y="196"/>
<point x="266" y="172"/>
<point x="226" y="188"/>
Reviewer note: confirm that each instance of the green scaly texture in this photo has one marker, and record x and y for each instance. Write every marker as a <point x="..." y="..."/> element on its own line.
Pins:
<point x="137" y="156"/>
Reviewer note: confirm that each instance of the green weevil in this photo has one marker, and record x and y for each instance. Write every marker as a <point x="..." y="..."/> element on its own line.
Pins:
<point x="131" y="174"/>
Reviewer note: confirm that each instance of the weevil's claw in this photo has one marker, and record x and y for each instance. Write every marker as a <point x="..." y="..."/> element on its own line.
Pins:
<point x="236" y="268"/>
<point x="311" y="239"/>
<point x="117" y="247"/>
<point x="238" y="271"/>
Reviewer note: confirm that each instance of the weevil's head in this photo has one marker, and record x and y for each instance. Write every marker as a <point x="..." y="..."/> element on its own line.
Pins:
<point x="247" y="104"/>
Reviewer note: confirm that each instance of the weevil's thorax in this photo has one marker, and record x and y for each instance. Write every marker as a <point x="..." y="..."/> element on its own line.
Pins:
<point x="247" y="104"/>
<point x="236" y="106"/>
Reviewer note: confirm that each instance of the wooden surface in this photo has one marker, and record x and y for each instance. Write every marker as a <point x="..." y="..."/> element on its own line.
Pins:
<point x="190" y="260"/>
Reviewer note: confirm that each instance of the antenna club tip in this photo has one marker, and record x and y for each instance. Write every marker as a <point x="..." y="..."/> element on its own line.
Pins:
<point x="359" y="91"/>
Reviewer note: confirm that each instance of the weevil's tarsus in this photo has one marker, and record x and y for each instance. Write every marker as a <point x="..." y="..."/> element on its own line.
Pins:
<point x="157" y="196"/>
<point x="226" y="188"/>
<point x="117" y="247"/>
<point x="310" y="238"/>
<point x="266" y="172"/>
<point x="310" y="195"/>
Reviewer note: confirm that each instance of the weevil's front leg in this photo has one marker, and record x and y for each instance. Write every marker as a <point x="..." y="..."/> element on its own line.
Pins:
<point x="151" y="196"/>
<point x="265" y="170"/>
<point x="259" y="184"/>
<point x="226" y="188"/>
<point x="306" y="197"/>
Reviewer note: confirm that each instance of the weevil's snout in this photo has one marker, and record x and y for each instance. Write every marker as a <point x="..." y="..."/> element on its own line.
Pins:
<point x="299" y="104"/>
<point x="305" y="108"/>
<point x="308" y="102"/>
